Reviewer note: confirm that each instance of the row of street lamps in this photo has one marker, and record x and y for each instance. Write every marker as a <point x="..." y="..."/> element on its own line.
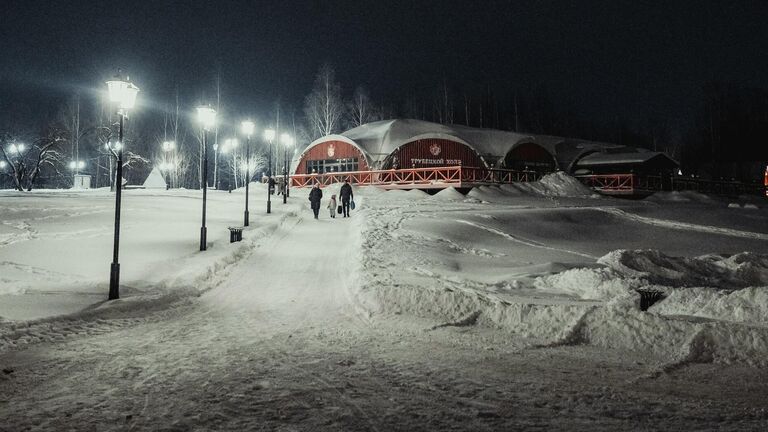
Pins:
<point x="123" y="94"/>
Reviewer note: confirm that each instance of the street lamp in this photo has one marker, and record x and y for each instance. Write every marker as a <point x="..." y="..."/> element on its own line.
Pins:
<point x="247" y="128"/>
<point x="76" y="165"/>
<point x="207" y="117"/>
<point x="269" y="135"/>
<point x="123" y="93"/>
<point x="16" y="148"/>
<point x="287" y="142"/>
<point x="169" y="146"/>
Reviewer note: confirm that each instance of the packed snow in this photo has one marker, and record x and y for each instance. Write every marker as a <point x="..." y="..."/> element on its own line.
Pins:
<point x="431" y="291"/>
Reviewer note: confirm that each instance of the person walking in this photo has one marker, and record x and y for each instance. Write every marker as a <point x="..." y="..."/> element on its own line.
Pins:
<point x="332" y="206"/>
<point x="315" y="195"/>
<point x="346" y="195"/>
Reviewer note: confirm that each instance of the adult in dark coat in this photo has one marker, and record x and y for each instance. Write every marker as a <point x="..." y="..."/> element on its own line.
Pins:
<point x="346" y="195"/>
<point x="315" y="195"/>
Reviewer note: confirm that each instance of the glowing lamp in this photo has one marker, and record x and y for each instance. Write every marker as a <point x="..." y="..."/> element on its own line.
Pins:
<point x="122" y="92"/>
<point x="207" y="116"/>
<point x="269" y="134"/>
<point x="286" y="139"/>
<point x="248" y="127"/>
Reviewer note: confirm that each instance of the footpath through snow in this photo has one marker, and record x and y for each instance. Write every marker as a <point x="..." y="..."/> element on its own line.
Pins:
<point x="409" y="315"/>
<point x="527" y="259"/>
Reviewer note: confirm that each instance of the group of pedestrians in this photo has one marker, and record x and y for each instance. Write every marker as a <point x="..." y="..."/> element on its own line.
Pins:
<point x="345" y="193"/>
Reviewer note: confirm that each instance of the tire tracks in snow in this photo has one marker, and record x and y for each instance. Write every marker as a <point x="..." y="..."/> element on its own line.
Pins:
<point x="682" y="225"/>
<point x="525" y="241"/>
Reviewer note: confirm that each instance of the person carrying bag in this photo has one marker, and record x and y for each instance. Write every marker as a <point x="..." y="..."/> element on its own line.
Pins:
<point x="346" y="197"/>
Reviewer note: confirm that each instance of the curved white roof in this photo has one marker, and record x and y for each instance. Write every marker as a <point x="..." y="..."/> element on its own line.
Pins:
<point x="379" y="139"/>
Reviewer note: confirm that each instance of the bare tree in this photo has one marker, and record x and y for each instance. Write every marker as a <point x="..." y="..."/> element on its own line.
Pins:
<point x="360" y="109"/>
<point x="443" y="105"/>
<point x="323" y="107"/>
<point x="27" y="161"/>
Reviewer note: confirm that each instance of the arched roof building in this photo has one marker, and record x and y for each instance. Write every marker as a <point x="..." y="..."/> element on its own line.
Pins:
<point x="405" y="143"/>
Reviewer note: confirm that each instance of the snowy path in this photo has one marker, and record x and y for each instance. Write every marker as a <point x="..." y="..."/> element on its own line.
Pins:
<point x="282" y="344"/>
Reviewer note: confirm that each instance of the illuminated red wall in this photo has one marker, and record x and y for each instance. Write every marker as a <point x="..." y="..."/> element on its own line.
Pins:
<point x="332" y="150"/>
<point x="433" y="152"/>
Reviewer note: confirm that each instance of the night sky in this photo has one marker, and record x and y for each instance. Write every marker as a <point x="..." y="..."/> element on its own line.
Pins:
<point x="630" y="58"/>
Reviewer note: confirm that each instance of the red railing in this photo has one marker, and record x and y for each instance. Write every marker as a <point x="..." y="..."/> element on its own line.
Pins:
<point x="418" y="178"/>
<point x="497" y="176"/>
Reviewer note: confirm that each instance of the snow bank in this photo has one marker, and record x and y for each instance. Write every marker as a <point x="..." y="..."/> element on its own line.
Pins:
<point x="449" y="194"/>
<point x="589" y="283"/>
<point x="748" y="305"/>
<point x="736" y="271"/>
<point x="597" y="305"/>
<point x="680" y="340"/>
<point x="489" y="193"/>
<point x="558" y="184"/>
<point x="562" y="184"/>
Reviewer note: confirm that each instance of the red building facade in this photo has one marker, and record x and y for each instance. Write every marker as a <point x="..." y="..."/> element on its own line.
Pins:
<point x="433" y="152"/>
<point x="331" y="156"/>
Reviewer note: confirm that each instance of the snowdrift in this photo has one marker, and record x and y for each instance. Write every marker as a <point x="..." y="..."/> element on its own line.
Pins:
<point x="727" y="272"/>
<point x="714" y="310"/>
<point x="557" y="184"/>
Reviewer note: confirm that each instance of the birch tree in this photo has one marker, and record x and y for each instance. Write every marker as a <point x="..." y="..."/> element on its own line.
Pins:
<point x="323" y="107"/>
<point x="360" y="109"/>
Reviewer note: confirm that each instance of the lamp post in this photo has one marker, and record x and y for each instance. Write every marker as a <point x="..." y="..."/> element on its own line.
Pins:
<point x="247" y="127"/>
<point x="269" y="135"/>
<point x="207" y="117"/>
<point x="287" y="142"/>
<point x="123" y="93"/>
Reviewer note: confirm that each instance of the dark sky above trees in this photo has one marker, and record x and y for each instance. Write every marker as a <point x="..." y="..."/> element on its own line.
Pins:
<point x="602" y="58"/>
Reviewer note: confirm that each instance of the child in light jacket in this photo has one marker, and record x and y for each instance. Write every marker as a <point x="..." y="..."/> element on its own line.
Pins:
<point x="332" y="206"/>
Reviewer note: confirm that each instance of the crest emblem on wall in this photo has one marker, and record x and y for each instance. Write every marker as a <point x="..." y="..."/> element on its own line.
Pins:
<point x="331" y="150"/>
<point x="434" y="149"/>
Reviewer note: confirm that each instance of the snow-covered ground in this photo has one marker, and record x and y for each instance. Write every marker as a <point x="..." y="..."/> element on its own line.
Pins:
<point x="56" y="246"/>
<point x="512" y="306"/>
